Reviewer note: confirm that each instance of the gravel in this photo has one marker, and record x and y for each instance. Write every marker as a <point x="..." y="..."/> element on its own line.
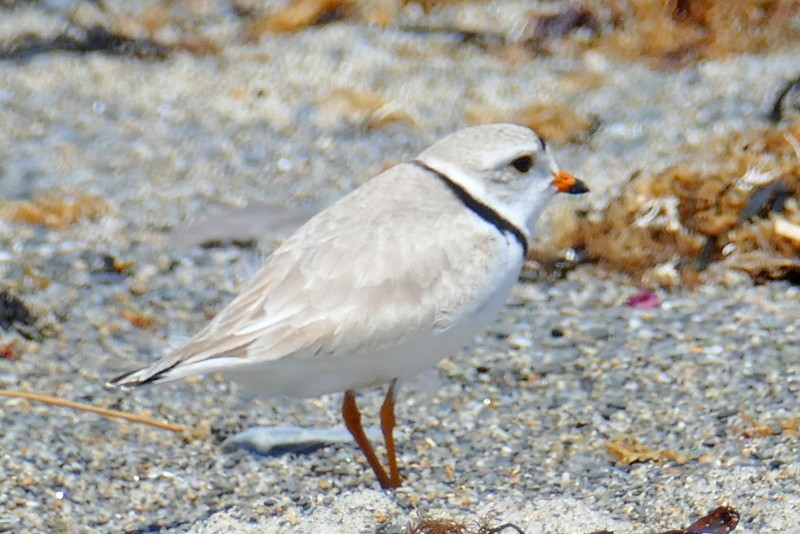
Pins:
<point x="518" y="426"/>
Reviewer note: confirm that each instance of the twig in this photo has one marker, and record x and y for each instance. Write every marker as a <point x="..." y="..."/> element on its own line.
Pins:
<point x="105" y="412"/>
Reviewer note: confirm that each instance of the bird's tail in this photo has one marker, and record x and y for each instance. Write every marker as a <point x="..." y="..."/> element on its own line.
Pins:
<point x="139" y="377"/>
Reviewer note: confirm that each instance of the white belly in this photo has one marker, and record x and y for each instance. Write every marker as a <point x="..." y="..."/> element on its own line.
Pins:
<point x="305" y="377"/>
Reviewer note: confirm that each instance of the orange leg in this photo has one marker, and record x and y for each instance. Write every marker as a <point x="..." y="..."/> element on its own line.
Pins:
<point x="352" y="420"/>
<point x="387" y="426"/>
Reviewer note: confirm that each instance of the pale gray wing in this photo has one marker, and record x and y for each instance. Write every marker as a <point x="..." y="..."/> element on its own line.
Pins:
<point x="395" y="258"/>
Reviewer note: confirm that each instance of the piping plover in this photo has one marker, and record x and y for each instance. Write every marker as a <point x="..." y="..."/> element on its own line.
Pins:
<point x="396" y="275"/>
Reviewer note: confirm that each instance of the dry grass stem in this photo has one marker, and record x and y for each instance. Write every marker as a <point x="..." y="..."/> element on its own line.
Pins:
<point x="105" y="412"/>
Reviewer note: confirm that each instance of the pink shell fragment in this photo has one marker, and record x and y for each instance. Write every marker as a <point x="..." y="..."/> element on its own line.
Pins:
<point x="646" y="299"/>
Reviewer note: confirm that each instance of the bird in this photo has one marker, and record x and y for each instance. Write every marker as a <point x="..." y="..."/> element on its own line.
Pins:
<point x="401" y="272"/>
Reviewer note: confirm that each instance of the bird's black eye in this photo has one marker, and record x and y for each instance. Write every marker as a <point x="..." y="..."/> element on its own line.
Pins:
<point x="523" y="163"/>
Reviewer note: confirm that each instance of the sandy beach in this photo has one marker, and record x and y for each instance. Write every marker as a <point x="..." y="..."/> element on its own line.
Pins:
<point x="573" y="413"/>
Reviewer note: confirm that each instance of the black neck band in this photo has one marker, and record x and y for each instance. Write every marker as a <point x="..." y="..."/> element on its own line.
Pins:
<point x="482" y="210"/>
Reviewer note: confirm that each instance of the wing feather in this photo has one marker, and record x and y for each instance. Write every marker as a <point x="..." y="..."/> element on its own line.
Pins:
<point x="394" y="259"/>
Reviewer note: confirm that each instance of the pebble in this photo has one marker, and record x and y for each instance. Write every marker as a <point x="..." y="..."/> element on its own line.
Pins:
<point x="286" y="439"/>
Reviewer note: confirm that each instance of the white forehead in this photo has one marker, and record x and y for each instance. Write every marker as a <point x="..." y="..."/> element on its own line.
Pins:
<point x="486" y="146"/>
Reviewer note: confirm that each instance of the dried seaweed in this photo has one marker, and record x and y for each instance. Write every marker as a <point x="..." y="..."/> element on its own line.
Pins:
<point x="733" y="200"/>
<point x="541" y="28"/>
<point x="721" y="520"/>
<point x="367" y="110"/>
<point x="484" y="39"/>
<point x="450" y="526"/>
<point x="52" y="211"/>
<point x="298" y="15"/>
<point x="94" y="39"/>
<point x="14" y="314"/>
<point x="555" y="121"/>
<point x="668" y="33"/>
<point x="677" y="32"/>
<point x="8" y="350"/>
<point x="628" y="450"/>
<point x="141" y="320"/>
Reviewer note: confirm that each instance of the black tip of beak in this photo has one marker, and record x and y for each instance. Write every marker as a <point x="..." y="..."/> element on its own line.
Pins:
<point x="578" y="188"/>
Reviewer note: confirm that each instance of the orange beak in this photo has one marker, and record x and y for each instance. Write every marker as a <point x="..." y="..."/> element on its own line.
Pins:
<point x="566" y="183"/>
